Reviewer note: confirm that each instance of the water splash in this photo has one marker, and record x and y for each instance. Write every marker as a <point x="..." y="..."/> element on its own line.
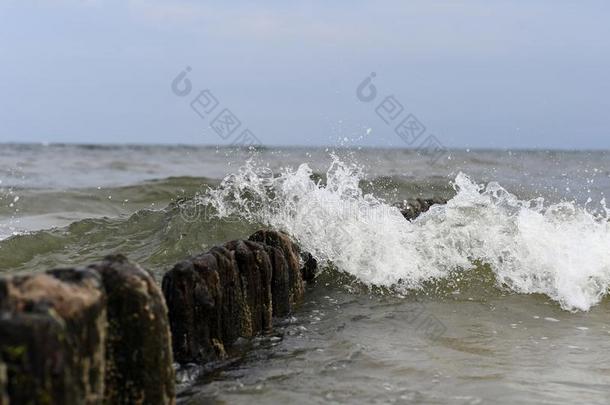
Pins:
<point x="560" y="250"/>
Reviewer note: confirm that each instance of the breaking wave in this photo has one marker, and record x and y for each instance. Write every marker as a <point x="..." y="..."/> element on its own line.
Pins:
<point x="560" y="250"/>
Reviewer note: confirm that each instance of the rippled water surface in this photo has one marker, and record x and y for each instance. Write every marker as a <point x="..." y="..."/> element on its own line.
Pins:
<point x="498" y="297"/>
<point x="361" y="348"/>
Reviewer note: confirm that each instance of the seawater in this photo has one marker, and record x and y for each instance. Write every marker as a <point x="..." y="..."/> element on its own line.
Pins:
<point x="498" y="296"/>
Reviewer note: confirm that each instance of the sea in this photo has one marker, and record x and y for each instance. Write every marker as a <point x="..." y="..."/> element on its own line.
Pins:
<point x="499" y="296"/>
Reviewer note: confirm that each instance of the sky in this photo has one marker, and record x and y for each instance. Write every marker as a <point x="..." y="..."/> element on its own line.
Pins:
<point x="474" y="74"/>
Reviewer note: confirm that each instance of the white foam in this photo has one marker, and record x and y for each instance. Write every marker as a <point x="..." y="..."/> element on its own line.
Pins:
<point x="560" y="250"/>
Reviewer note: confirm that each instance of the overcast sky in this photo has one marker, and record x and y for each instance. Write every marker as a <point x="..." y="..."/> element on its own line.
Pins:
<point x="506" y="74"/>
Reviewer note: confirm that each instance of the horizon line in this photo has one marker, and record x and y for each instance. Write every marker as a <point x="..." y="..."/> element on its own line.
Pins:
<point x="296" y="146"/>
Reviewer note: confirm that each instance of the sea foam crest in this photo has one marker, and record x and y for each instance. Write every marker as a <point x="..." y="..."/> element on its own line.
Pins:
<point x="560" y="250"/>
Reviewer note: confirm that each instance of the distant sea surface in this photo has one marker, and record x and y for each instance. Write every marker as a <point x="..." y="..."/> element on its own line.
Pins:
<point x="500" y="296"/>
